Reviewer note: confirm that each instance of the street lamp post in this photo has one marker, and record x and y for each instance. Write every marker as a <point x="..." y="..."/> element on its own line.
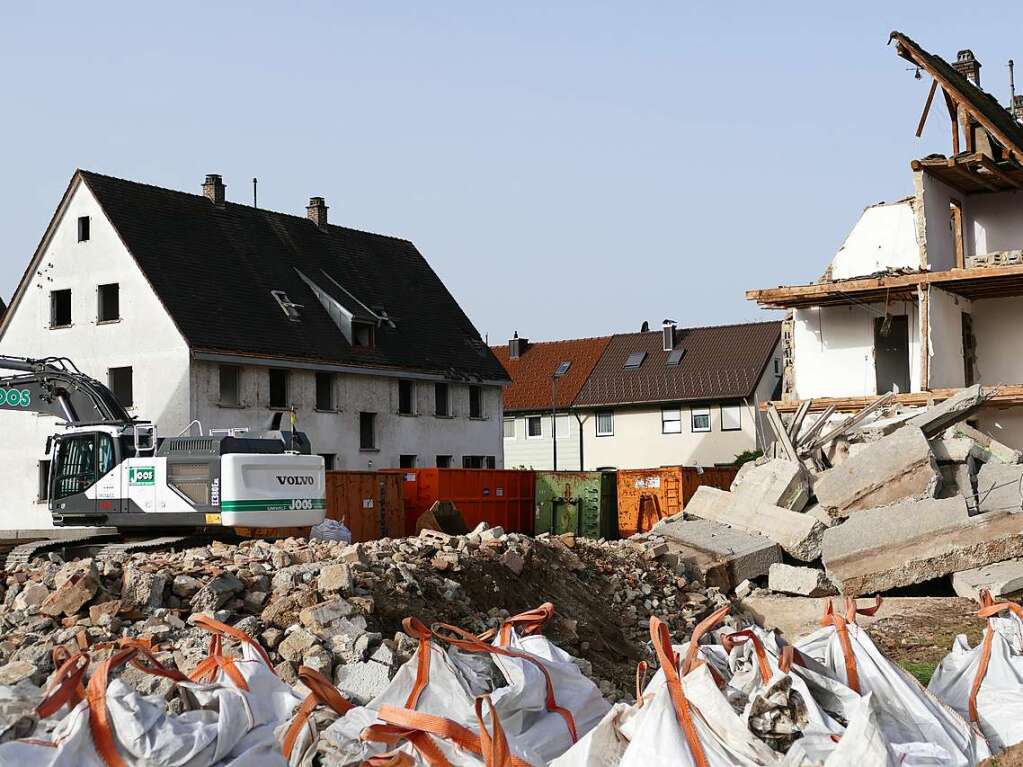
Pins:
<point x="554" y="418"/>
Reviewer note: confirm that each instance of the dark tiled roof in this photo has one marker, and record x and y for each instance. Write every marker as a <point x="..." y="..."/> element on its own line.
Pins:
<point x="721" y="362"/>
<point x="531" y="373"/>
<point x="982" y="101"/>
<point x="213" y="269"/>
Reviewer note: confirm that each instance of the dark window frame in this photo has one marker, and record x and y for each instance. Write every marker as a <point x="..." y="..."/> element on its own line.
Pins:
<point x="438" y="387"/>
<point x="329" y="461"/>
<point x="84" y="228"/>
<point x="326" y="399"/>
<point x="114" y="385"/>
<point x="367" y="428"/>
<point x="443" y="461"/>
<point x="59" y="318"/>
<point x="406" y="390"/>
<point x="407" y="461"/>
<point x="721" y="415"/>
<point x="596" y="423"/>
<point x="108" y="302"/>
<point x="278" y="404"/>
<point x="237" y="386"/>
<point x="476" y="409"/>
<point x="692" y="420"/>
<point x="530" y="420"/>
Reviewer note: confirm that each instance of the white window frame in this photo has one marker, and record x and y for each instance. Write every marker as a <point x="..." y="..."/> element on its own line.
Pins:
<point x="676" y="420"/>
<point x="539" y="420"/>
<point x="611" y="415"/>
<point x="738" y="418"/>
<point x="562" y="420"/>
<point x="513" y="428"/>
<point x="693" y="413"/>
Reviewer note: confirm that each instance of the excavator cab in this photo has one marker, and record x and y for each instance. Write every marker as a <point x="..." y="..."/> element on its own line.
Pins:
<point x="82" y="477"/>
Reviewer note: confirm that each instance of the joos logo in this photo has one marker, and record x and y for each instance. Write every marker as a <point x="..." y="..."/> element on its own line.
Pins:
<point x="15" y="397"/>
<point x="304" y="479"/>
<point x="301" y="504"/>
<point x="141" y="475"/>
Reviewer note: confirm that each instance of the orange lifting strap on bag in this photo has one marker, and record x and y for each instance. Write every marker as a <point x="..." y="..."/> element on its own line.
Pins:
<point x="641" y="669"/>
<point x="708" y="623"/>
<point x="206" y="671"/>
<point x="416" y="629"/>
<point x="321" y="692"/>
<point x="527" y="624"/>
<point x="988" y="609"/>
<point x="661" y="638"/>
<point x="728" y="641"/>
<point x="831" y="618"/>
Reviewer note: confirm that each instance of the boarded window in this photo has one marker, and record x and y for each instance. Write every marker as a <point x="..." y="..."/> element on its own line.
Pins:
<point x="108" y="299"/>
<point x="442" y="402"/>
<point x="406" y="397"/>
<point x="230" y="385"/>
<point x="120" y="382"/>
<point x="701" y="419"/>
<point x="367" y="431"/>
<point x="731" y="417"/>
<point x="60" y="308"/>
<point x="605" y="423"/>
<point x="671" y="421"/>
<point x="324" y="390"/>
<point x="278" y="387"/>
<point x="475" y="401"/>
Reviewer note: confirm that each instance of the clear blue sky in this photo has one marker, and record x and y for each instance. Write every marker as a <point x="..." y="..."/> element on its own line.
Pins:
<point x="569" y="169"/>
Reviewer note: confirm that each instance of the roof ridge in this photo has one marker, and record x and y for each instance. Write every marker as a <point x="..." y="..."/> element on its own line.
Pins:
<point x="86" y="172"/>
<point x="679" y="328"/>
<point x="561" y="341"/>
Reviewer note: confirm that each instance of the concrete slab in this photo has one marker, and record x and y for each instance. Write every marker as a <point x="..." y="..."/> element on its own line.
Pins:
<point x="952" y="449"/>
<point x="716" y="554"/>
<point x="900" y="545"/>
<point x="999" y="488"/>
<point x="798" y="534"/>
<point x="1002" y="579"/>
<point x="896" y="467"/>
<point x="777" y="482"/>
<point x="958" y="407"/>
<point x="802" y="581"/>
<point x="987" y="448"/>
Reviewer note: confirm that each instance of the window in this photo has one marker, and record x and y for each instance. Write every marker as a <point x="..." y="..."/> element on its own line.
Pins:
<point x="278" y="387"/>
<point x="777" y="366"/>
<point x="290" y="309"/>
<point x="406" y="461"/>
<point x="534" y="427"/>
<point x="230" y="385"/>
<point x="509" y="428"/>
<point x="76" y="466"/>
<point x="561" y="427"/>
<point x="43" y="494"/>
<point x="443" y="461"/>
<point x="475" y="401"/>
<point x="635" y="360"/>
<point x="363" y="335"/>
<point x="605" y="423"/>
<point x="108" y="301"/>
<point x="328" y="461"/>
<point x="701" y="419"/>
<point x="671" y="421"/>
<point x="367" y="431"/>
<point x="491" y="462"/>
<point x="406" y="397"/>
<point x="675" y="358"/>
<point x="324" y="390"/>
<point x="562" y="369"/>
<point x="441" y="397"/>
<point x="119" y="381"/>
<point x="472" y="461"/>
<point x="83" y="228"/>
<point x="731" y="417"/>
<point x="60" y="308"/>
<point x="106" y="454"/>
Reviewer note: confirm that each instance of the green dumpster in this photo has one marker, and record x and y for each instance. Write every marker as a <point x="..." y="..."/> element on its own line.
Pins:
<point x="580" y="502"/>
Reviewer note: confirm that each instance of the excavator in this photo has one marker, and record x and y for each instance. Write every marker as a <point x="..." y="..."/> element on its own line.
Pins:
<point x="109" y="469"/>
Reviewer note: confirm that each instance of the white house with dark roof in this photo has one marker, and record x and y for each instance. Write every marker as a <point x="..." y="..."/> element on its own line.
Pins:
<point x="200" y="312"/>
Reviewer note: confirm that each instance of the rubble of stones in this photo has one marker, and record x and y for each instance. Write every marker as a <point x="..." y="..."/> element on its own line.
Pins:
<point x="883" y="499"/>
<point x="321" y="604"/>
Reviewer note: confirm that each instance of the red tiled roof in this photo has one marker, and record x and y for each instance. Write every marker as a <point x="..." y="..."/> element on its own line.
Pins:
<point x="531" y="373"/>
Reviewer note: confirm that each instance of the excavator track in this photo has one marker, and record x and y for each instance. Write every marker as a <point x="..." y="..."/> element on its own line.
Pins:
<point x="104" y="546"/>
<point x="24" y="553"/>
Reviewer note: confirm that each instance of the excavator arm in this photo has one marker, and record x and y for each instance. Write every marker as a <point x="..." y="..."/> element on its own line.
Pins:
<point x="56" y="387"/>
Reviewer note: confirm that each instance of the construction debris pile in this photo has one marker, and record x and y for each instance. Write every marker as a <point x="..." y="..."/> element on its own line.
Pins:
<point x="881" y="501"/>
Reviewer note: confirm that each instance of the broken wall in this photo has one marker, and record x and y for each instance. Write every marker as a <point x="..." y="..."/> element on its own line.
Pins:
<point x="944" y="315"/>
<point x="993" y="222"/>
<point x="884" y="238"/>
<point x="939" y="244"/>
<point x="833" y="349"/>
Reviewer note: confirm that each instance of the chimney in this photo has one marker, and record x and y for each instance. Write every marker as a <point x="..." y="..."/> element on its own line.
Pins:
<point x="517" y="346"/>
<point x="213" y="189"/>
<point x="317" y="211"/>
<point x="968" y="66"/>
<point x="668" y="335"/>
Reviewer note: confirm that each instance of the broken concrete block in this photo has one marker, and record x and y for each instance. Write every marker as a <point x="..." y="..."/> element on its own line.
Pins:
<point x="821" y="514"/>
<point x="999" y="488"/>
<point x="361" y="682"/>
<point x="952" y="449"/>
<point x="802" y="581"/>
<point x="335" y="578"/>
<point x="896" y="467"/>
<point x="32" y="595"/>
<point x="959" y="407"/>
<point x="295" y="645"/>
<point x="15" y="671"/>
<point x="986" y="448"/>
<point x="73" y="594"/>
<point x="715" y="554"/>
<point x="777" y="482"/>
<point x="798" y="534"/>
<point x="916" y="541"/>
<point x="1002" y="579"/>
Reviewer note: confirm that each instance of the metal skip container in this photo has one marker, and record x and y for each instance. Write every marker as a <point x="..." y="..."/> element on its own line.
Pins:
<point x="648" y="495"/>
<point x="580" y="502"/>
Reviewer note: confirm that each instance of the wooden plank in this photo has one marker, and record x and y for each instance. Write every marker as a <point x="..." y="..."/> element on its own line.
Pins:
<point x="852" y="421"/>
<point x="927" y="108"/>
<point x="925" y="336"/>
<point x="797" y="419"/>
<point x="992" y="167"/>
<point x="816" y="426"/>
<point x="1003" y="395"/>
<point x="781" y="436"/>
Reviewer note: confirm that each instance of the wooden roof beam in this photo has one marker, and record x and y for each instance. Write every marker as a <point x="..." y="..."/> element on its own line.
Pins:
<point x="991" y="167"/>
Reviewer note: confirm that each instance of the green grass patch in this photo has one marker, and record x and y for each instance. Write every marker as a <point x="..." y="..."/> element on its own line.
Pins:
<point x="922" y="671"/>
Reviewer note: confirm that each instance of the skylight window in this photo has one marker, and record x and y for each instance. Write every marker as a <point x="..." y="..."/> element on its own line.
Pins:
<point x="675" y="358"/>
<point x="290" y="309"/>
<point x="562" y="369"/>
<point x="635" y="360"/>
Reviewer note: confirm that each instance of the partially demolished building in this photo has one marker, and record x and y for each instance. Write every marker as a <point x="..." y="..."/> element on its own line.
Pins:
<point x="925" y="295"/>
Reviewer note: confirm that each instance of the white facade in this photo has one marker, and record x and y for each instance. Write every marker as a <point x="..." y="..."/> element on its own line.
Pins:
<point x="647" y="436"/>
<point x="172" y="386"/>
